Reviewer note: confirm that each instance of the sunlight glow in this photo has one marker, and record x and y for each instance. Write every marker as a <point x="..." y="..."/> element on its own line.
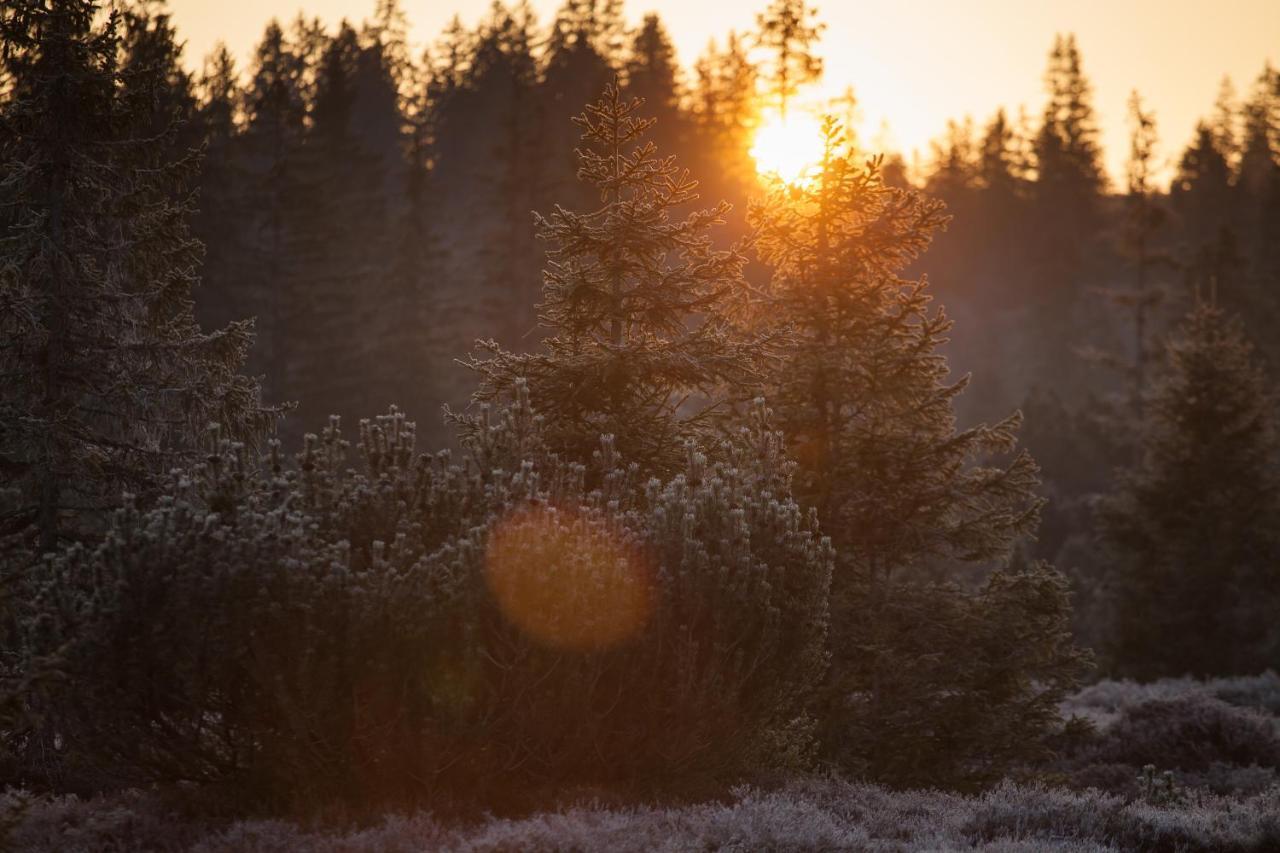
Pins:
<point x="787" y="148"/>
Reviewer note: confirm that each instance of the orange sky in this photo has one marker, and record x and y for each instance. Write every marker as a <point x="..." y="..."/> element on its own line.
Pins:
<point x="913" y="65"/>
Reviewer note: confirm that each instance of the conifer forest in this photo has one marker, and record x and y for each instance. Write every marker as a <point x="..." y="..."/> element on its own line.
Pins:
<point x="537" y="440"/>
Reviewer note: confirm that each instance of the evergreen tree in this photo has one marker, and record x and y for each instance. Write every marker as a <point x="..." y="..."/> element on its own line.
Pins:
<point x="108" y="379"/>
<point x="955" y="162"/>
<point x="1192" y="527"/>
<point x="788" y="32"/>
<point x="652" y="74"/>
<point x="999" y="170"/>
<point x="1139" y="232"/>
<point x="275" y="115"/>
<point x="577" y="63"/>
<point x="152" y="55"/>
<point x="864" y="402"/>
<point x="1068" y="157"/>
<point x="640" y="346"/>
<point x="726" y="114"/>
<point x="340" y="239"/>
<point x="1066" y="211"/>
<point x="1201" y="187"/>
<point x="219" y="222"/>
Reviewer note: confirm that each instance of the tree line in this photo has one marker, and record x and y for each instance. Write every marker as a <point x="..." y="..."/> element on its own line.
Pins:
<point x="740" y="439"/>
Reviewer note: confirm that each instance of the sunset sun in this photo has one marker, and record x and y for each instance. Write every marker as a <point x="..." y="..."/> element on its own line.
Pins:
<point x="788" y="147"/>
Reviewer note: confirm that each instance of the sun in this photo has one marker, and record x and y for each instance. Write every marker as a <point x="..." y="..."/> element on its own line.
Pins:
<point x="787" y="148"/>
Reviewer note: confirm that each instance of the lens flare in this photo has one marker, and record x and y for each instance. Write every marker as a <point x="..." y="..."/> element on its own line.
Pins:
<point x="788" y="148"/>
<point x="566" y="581"/>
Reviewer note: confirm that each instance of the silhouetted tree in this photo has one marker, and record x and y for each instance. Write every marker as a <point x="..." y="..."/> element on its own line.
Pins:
<point x="864" y="403"/>
<point x="652" y="74"/>
<point x="636" y="301"/>
<point x="1192" y="528"/>
<point x="108" y="381"/>
<point x="788" y="32"/>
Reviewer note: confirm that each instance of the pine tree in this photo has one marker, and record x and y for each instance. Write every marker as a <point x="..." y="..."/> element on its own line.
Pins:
<point x="152" y="55"/>
<point x="219" y="222"/>
<point x="652" y="74"/>
<point x="1139" y="233"/>
<point x="1067" y="150"/>
<point x="999" y="169"/>
<point x="956" y="161"/>
<point x="275" y="115"/>
<point x="108" y="379"/>
<point x="726" y="113"/>
<point x="789" y="32"/>
<point x="864" y="403"/>
<point x="636" y="302"/>
<point x="1066" y="210"/>
<point x="1193" y="528"/>
<point x="577" y="63"/>
<point x="340" y="231"/>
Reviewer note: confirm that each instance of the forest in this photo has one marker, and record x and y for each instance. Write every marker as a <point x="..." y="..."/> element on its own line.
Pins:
<point x="503" y="447"/>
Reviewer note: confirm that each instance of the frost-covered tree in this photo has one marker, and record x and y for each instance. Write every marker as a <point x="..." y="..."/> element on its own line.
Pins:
<point x="107" y="377"/>
<point x="1193" y="528"/>
<point x="641" y="346"/>
<point x="864" y="401"/>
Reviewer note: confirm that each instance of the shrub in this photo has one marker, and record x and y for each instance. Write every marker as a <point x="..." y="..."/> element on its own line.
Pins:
<point x="299" y="632"/>
<point x="1190" y="733"/>
<point x="807" y="814"/>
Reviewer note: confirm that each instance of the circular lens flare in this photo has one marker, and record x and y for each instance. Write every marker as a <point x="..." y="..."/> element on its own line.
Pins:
<point x="565" y="580"/>
<point x="787" y="148"/>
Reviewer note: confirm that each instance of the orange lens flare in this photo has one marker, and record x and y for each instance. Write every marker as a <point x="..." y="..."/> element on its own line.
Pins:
<point x="565" y="580"/>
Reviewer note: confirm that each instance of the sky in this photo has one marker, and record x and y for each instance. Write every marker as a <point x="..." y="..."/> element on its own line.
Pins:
<point x="911" y="65"/>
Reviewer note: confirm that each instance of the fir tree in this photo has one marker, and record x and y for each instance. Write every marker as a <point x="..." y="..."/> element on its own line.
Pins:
<point x="652" y="74"/>
<point x="577" y="63"/>
<point x="1140" y="229"/>
<point x="219" y="222"/>
<point x="864" y="402"/>
<point x="107" y="376"/>
<point x="152" y="55"/>
<point x="275" y="115"/>
<point x="1066" y="209"/>
<point x="1192" y="527"/>
<point x="788" y="32"/>
<point x="1067" y="151"/>
<point x="636" y="302"/>
<point x="726" y="113"/>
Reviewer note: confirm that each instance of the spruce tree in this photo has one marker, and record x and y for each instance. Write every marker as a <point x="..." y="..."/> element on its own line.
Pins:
<point x="864" y="401"/>
<point x="726" y="113"/>
<point x="1132" y="304"/>
<point x="788" y="32"/>
<point x="652" y="74"/>
<point x="636" y="300"/>
<point x="578" y="61"/>
<point x="1066" y="211"/>
<point x="1193" y="528"/>
<point x="275" y="115"/>
<point x="108" y="379"/>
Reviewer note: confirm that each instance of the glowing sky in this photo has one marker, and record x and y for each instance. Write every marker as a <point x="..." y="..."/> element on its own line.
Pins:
<point x="913" y="65"/>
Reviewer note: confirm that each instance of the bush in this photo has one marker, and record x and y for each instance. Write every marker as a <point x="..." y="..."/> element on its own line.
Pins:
<point x="1190" y="733"/>
<point x="294" y="633"/>
<point x="801" y="816"/>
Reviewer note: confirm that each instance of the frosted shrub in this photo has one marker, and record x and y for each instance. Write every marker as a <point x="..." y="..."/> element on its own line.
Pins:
<point x="298" y="631"/>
